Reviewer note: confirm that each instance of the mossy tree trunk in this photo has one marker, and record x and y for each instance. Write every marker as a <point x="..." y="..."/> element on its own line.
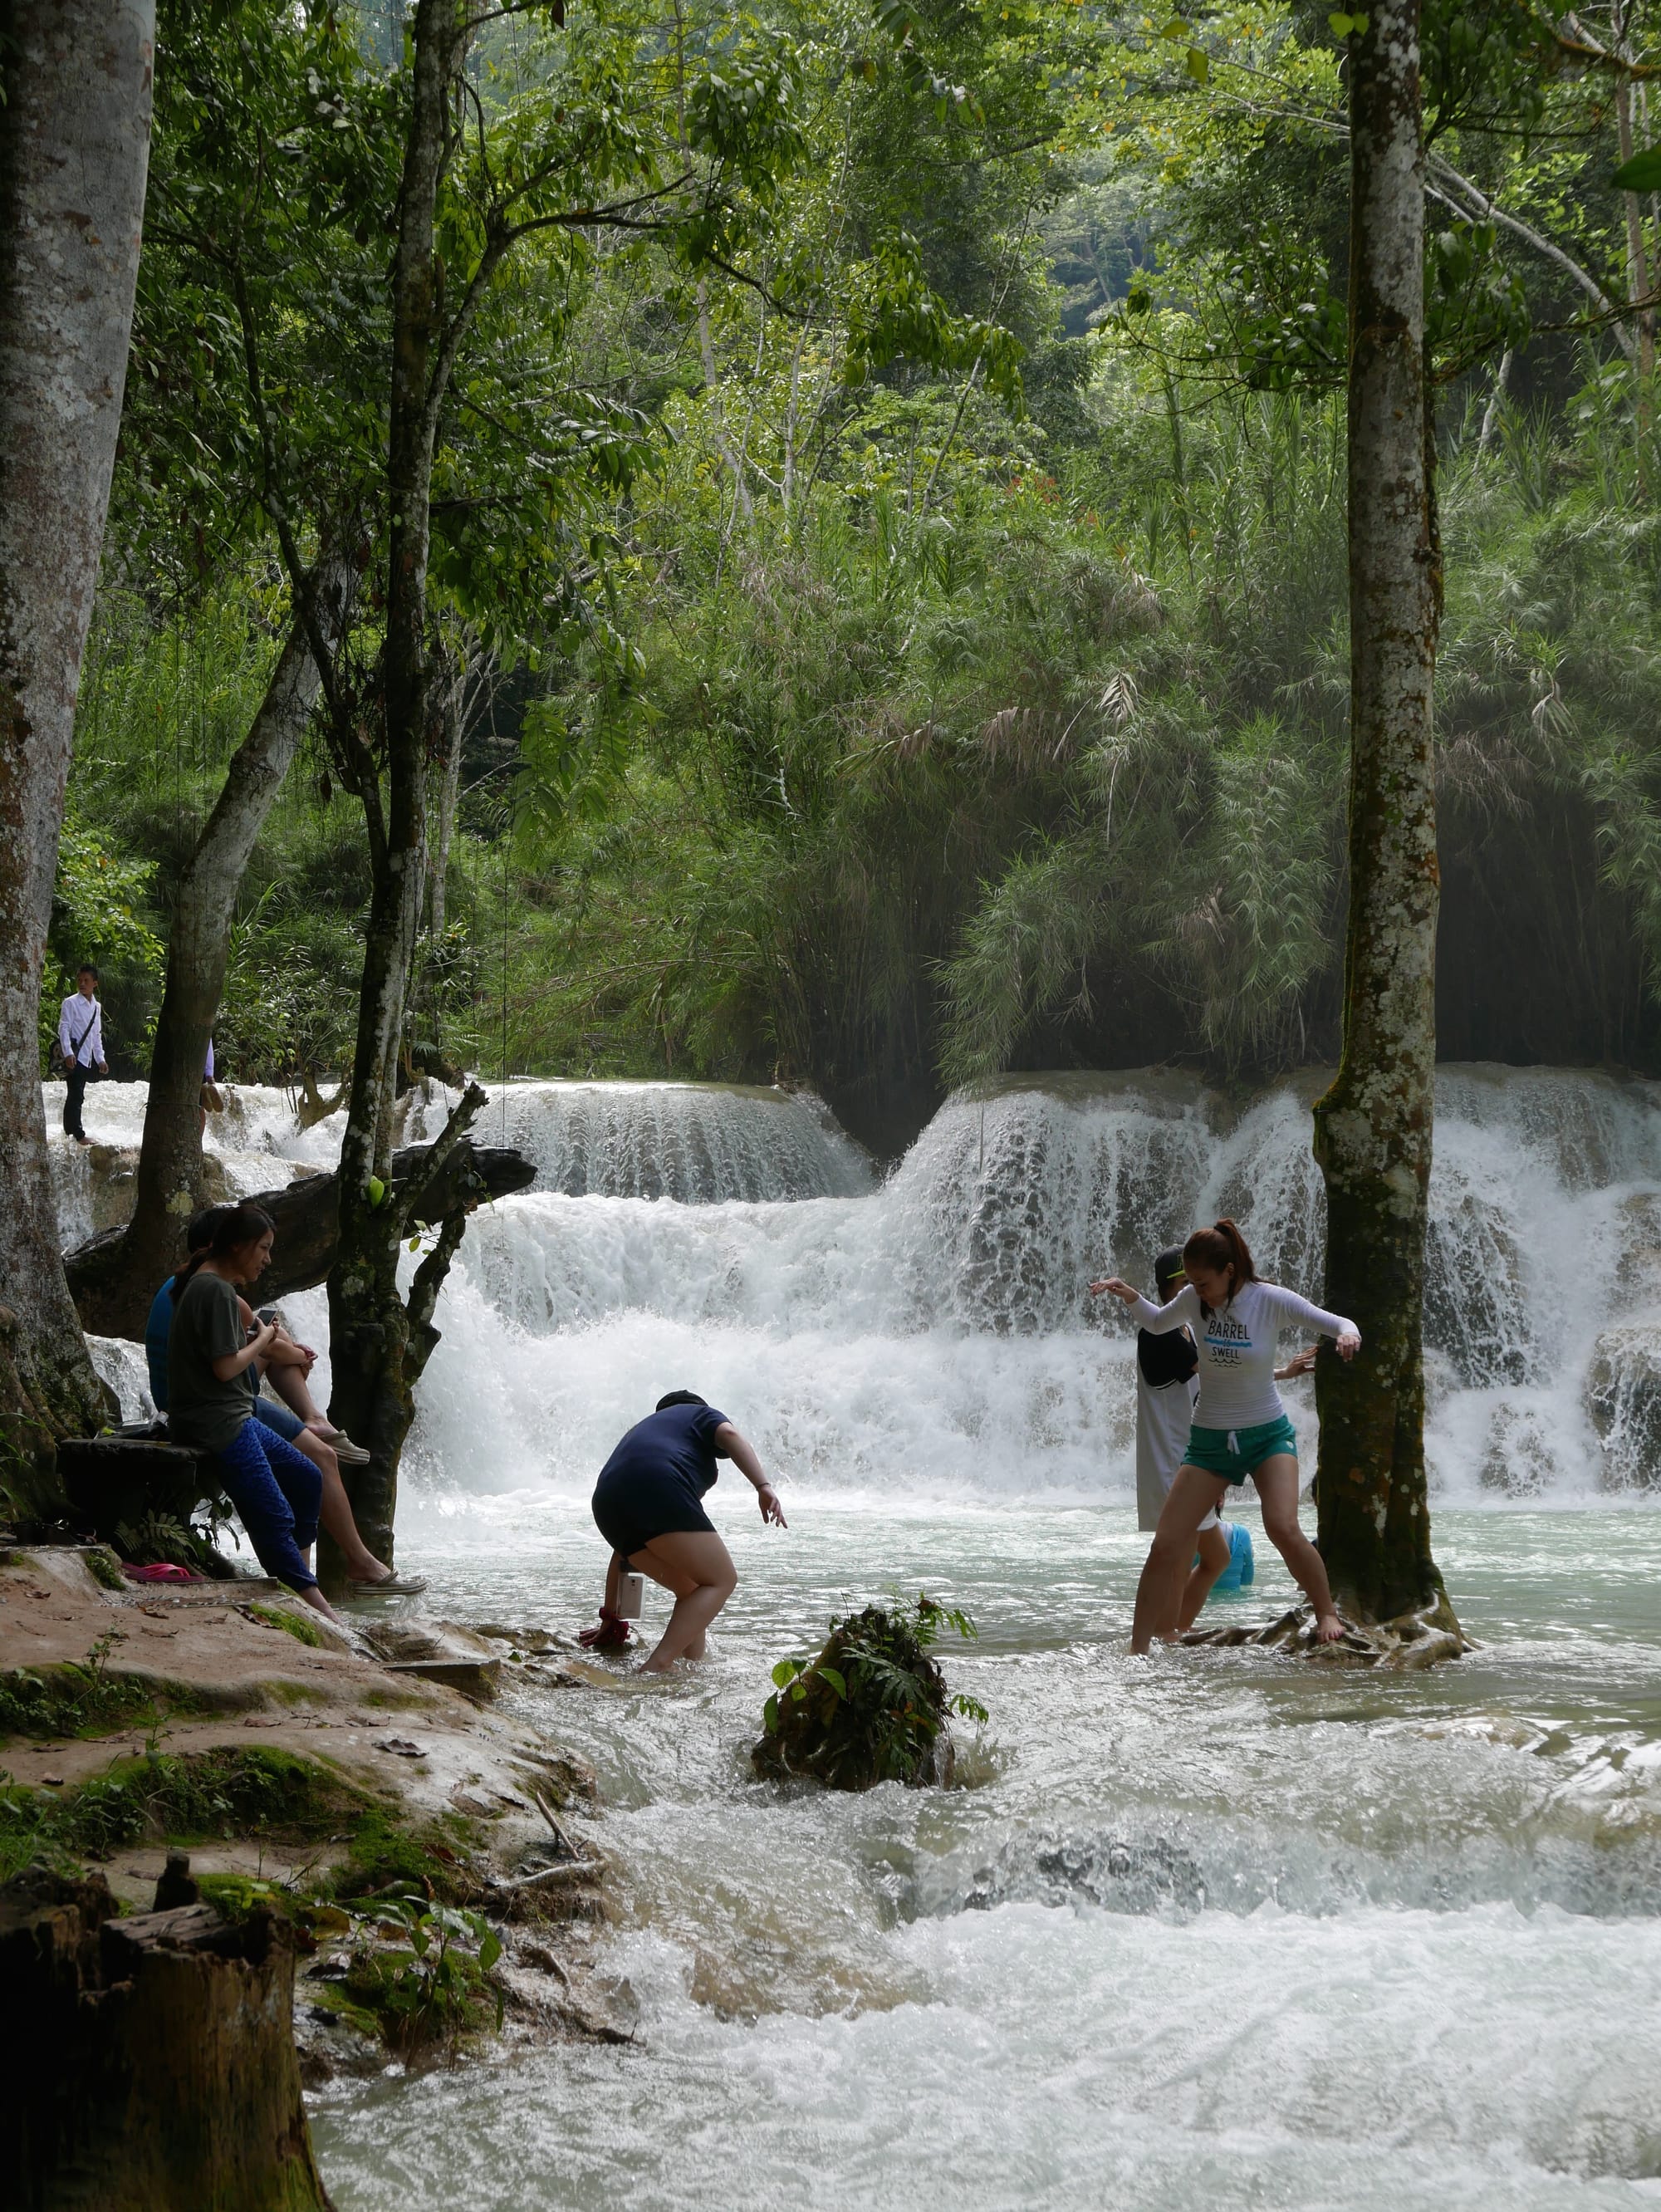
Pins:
<point x="75" y="135"/>
<point x="378" y="1345"/>
<point x="149" y="2064"/>
<point x="1373" y="1127"/>
<point x="198" y="947"/>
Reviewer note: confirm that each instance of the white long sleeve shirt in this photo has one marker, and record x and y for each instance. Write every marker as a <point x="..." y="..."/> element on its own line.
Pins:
<point x="1236" y="1347"/>
<point x="81" y="1014"/>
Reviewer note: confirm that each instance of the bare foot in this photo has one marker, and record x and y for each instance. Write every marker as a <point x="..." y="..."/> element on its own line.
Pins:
<point x="1328" y="1629"/>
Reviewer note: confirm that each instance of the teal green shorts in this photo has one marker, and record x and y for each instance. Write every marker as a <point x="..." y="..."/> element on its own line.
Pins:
<point x="1235" y="1453"/>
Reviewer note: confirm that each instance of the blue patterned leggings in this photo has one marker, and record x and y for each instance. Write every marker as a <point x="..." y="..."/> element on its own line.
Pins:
<point x="278" y="1492"/>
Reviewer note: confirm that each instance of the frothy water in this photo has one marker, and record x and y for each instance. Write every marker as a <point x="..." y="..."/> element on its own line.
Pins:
<point x="937" y="1328"/>
<point x="1207" y="1932"/>
<point x="1210" y="1932"/>
<point x="938" y="1331"/>
<point x="696" y="1142"/>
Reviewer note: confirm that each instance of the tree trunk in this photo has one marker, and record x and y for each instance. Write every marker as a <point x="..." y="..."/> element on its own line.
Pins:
<point x="75" y="131"/>
<point x="1637" y="278"/>
<point x="1373" y="1127"/>
<point x="170" y="1160"/>
<point x="150" y="2062"/>
<point x="458" y="683"/>
<point x="378" y="1346"/>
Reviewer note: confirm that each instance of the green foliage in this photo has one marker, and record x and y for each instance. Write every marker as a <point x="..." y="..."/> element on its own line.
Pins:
<point x="182" y="1799"/>
<point x="384" y="1852"/>
<point x="105" y="1568"/>
<point x="161" y="1538"/>
<point x="99" y="904"/>
<point x="890" y="508"/>
<point x="872" y="1707"/>
<point x="431" y="1982"/>
<point x="77" y="1698"/>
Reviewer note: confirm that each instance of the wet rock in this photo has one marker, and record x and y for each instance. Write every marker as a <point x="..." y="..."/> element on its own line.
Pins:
<point x="1638" y="1272"/>
<point x="536" y="1641"/>
<point x="1475" y="1308"/>
<point x="1119" y="1873"/>
<point x="1623" y="1402"/>
<point x="1520" y="1461"/>
<point x="436" y="1652"/>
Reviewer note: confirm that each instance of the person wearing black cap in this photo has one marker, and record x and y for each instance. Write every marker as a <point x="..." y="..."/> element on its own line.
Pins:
<point x="649" y="1506"/>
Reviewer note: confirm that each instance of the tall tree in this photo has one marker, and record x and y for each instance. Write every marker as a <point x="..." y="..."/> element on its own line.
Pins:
<point x="169" y="1181"/>
<point x="380" y="1343"/>
<point x="1373" y="1127"/>
<point x="615" y="137"/>
<point x="74" y="124"/>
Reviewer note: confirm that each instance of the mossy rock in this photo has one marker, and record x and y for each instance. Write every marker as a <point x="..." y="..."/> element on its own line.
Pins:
<point x="291" y="1624"/>
<point x="872" y="1707"/>
<point x="225" y="1792"/>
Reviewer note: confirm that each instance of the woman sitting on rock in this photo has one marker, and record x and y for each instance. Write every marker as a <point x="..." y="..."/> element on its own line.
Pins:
<point x="212" y="1383"/>
<point x="1241" y="1426"/>
<point x="649" y="1506"/>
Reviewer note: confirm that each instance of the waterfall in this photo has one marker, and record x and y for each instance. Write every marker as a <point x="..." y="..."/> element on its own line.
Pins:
<point x="698" y="1143"/>
<point x="934" y="1336"/>
<point x="931" y="1335"/>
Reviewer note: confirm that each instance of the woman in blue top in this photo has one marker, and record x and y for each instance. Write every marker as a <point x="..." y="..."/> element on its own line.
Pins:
<point x="1241" y="1426"/>
<point x="649" y="1506"/>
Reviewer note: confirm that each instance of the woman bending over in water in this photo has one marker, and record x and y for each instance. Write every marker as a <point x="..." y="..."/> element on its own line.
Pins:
<point x="1241" y="1426"/>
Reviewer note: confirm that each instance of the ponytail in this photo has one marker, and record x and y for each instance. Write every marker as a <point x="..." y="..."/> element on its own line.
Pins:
<point x="1221" y="1251"/>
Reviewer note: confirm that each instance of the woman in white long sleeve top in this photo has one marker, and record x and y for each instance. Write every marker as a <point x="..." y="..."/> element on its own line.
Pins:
<point x="1241" y="1426"/>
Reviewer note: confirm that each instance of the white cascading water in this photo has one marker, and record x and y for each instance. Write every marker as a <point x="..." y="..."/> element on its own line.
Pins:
<point x="934" y="1331"/>
<point x="699" y="1143"/>
<point x="937" y="1332"/>
<point x="1203" y="1933"/>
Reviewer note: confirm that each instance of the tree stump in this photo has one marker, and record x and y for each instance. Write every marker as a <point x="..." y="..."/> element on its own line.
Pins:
<point x="110" y="1480"/>
<point x="148" y="2063"/>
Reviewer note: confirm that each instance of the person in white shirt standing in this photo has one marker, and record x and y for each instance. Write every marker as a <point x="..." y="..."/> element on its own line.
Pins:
<point x="1168" y="1370"/>
<point x="81" y="1047"/>
<point x="1241" y="1426"/>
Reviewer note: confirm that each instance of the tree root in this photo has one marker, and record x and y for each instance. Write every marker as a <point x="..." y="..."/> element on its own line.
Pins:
<point x="1406" y="1645"/>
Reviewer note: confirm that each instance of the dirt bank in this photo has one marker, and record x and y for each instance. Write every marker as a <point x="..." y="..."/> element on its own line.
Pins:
<point x="345" y="1779"/>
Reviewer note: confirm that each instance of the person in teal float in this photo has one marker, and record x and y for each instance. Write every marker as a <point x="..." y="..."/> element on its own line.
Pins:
<point x="1240" y="1427"/>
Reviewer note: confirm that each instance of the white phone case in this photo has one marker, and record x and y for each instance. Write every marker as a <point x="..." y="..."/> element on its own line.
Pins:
<point x="631" y="1596"/>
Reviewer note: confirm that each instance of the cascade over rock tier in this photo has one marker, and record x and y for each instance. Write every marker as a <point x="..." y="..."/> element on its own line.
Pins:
<point x="933" y="1331"/>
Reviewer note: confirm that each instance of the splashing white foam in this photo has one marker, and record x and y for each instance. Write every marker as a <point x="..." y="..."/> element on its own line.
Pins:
<point x="936" y="1335"/>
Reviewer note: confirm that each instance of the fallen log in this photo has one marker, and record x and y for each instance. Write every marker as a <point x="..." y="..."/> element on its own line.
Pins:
<point x="148" y="2063"/>
<point x="305" y="1213"/>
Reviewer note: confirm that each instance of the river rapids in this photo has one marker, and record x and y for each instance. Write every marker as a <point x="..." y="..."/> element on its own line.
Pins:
<point x="1210" y="1931"/>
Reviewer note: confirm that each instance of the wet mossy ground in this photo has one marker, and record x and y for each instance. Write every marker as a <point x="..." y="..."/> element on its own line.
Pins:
<point x="258" y="1794"/>
<point x="83" y="1698"/>
<point x="291" y="1624"/>
<point x="184" y="1799"/>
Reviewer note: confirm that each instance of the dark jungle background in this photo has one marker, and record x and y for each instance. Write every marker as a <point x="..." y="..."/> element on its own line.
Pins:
<point x="878" y="695"/>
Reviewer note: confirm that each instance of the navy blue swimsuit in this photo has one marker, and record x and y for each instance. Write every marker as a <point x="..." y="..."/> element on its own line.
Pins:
<point x="653" y="1484"/>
